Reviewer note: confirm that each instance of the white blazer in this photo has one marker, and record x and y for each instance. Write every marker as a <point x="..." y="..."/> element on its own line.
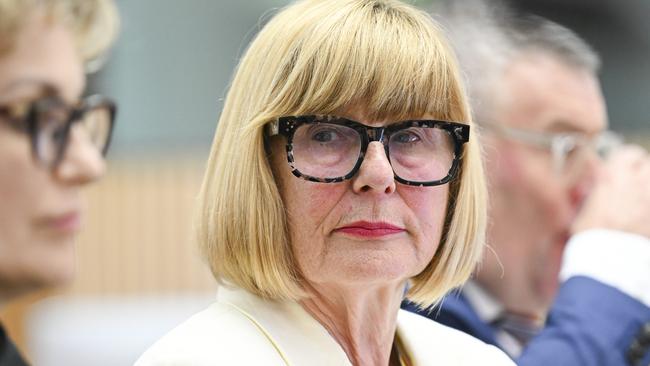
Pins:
<point x="243" y="329"/>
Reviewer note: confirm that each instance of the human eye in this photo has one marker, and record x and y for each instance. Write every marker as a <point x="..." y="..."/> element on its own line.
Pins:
<point x="327" y="135"/>
<point x="18" y="111"/>
<point x="58" y="133"/>
<point x="53" y="116"/>
<point x="52" y="120"/>
<point x="324" y="136"/>
<point x="15" y="113"/>
<point x="406" y="137"/>
<point x="568" y="143"/>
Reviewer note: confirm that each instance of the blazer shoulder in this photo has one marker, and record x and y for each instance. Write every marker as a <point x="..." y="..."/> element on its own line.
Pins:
<point x="429" y="340"/>
<point x="218" y="335"/>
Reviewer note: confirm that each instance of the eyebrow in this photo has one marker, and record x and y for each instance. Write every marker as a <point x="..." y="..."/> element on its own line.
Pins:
<point x="564" y="126"/>
<point x="40" y="86"/>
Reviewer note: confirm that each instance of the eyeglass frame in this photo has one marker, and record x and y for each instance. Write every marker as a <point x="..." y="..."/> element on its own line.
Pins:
<point x="29" y="122"/>
<point x="555" y="142"/>
<point x="287" y="125"/>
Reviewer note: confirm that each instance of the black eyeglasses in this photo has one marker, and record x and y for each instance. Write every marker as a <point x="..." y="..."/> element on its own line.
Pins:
<point x="49" y="120"/>
<point x="330" y="149"/>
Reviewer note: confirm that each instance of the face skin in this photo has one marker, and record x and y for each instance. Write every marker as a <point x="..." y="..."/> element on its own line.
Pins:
<point x="317" y="212"/>
<point x="533" y="206"/>
<point x="41" y="208"/>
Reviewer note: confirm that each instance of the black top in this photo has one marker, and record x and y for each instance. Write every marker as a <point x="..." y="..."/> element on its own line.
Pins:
<point x="9" y="355"/>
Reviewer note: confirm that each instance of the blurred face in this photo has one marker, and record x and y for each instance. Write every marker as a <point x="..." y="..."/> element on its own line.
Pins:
<point x="41" y="208"/>
<point x="533" y="205"/>
<point x="363" y="231"/>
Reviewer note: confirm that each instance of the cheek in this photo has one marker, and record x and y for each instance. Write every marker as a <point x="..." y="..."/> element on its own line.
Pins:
<point x="311" y="207"/>
<point x="539" y="192"/>
<point x="18" y="175"/>
<point x="321" y="199"/>
<point x="428" y="206"/>
<point x="27" y="255"/>
<point x="550" y="197"/>
<point x="312" y="214"/>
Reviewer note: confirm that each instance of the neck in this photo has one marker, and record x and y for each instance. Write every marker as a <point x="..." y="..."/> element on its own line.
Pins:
<point x="10" y="292"/>
<point x="362" y="319"/>
<point x="4" y="299"/>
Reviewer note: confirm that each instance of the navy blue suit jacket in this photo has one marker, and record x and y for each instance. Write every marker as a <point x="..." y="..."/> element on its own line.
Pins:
<point x="590" y="323"/>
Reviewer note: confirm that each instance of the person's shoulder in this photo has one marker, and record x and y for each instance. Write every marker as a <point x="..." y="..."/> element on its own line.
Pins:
<point x="434" y="343"/>
<point x="217" y="335"/>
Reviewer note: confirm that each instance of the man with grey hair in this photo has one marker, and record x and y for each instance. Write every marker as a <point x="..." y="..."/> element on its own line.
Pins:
<point x="567" y="278"/>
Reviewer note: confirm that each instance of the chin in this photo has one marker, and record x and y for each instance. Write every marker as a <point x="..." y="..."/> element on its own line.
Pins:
<point x="372" y="270"/>
<point x="57" y="267"/>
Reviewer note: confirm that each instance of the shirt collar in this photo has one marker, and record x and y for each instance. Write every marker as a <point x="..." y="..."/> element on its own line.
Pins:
<point x="486" y="306"/>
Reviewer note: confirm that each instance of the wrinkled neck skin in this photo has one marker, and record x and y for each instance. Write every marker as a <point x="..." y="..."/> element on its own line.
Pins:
<point x="362" y="319"/>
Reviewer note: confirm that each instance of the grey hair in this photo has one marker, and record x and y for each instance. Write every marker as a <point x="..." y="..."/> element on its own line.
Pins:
<point x="534" y="33"/>
<point x="488" y="36"/>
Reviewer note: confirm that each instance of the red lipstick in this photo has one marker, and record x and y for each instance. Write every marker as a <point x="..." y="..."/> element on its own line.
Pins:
<point x="367" y="229"/>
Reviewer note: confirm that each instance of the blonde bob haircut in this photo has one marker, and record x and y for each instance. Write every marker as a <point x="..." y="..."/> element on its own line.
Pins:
<point x="94" y="23"/>
<point x="321" y="56"/>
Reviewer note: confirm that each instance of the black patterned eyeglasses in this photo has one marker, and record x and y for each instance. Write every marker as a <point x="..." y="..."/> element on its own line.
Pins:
<point x="330" y="149"/>
<point x="49" y="121"/>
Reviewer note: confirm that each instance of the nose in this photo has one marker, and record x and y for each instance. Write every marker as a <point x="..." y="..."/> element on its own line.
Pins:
<point x="82" y="162"/>
<point x="375" y="173"/>
<point x="585" y="177"/>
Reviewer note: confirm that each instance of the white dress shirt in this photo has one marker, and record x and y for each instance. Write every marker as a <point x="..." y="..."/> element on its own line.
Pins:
<point x="489" y="310"/>
<point x="615" y="258"/>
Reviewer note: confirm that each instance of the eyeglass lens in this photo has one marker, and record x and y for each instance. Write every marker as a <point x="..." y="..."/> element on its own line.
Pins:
<point x="576" y="154"/>
<point x="53" y="127"/>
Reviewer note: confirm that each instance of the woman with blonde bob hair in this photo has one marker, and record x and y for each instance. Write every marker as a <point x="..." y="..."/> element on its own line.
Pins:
<point x="336" y="178"/>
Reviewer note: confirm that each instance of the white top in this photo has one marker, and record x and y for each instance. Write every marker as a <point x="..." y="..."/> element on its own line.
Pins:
<point x="616" y="258"/>
<point x="243" y="329"/>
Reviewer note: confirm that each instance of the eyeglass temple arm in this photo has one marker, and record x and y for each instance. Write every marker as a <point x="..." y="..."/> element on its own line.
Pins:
<point x="272" y="128"/>
<point x="539" y="140"/>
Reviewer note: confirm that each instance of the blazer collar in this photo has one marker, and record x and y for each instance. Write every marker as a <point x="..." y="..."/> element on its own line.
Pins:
<point x="296" y="335"/>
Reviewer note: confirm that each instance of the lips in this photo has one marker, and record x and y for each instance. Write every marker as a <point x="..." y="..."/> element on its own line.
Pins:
<point x="368" y="229"/>
<point x="66" y="223"/>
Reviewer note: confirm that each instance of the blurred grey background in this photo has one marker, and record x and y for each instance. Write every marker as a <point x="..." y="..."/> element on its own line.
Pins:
<point x="171" y="67"/>
<point x="620" y="32"/>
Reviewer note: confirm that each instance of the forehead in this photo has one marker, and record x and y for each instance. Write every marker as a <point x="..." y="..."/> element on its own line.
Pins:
<point x="360" y="113"/>
<point x="543" y="94"/>
<point x="44" y="53"/>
